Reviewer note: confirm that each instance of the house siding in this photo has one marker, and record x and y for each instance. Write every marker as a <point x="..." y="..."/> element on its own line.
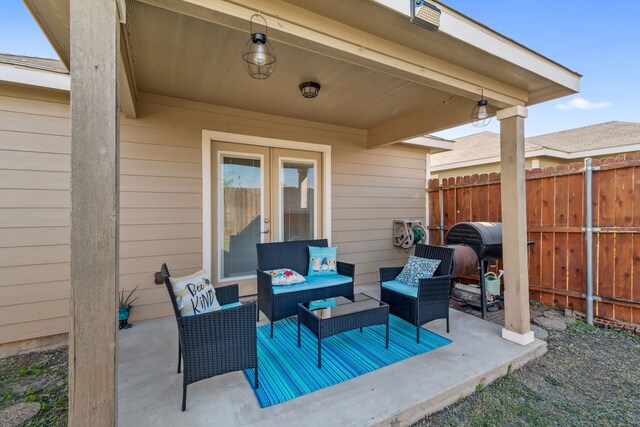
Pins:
<point x="34" y="213"/>
<point x="161" y="199"/>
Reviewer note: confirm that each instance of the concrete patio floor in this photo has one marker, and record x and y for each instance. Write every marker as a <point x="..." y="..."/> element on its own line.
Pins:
<point x="150" y="390"/>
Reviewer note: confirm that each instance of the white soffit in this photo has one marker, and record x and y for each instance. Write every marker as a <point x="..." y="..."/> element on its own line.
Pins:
<point x="464" y="29"/>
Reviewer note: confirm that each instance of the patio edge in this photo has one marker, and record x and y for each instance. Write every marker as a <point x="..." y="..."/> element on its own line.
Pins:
<point x="434" y="404"/>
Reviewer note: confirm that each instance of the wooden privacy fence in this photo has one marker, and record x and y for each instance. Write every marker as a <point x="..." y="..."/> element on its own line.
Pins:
<point x="555" y="221"/>
<point x="241" y="207"/>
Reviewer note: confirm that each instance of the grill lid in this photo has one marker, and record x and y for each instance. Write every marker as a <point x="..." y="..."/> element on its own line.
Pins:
<point x="485" y="238"/>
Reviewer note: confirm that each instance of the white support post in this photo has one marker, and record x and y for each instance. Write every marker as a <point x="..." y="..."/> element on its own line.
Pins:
<point x="514" y="226"/>
<point x="94" y="212"/>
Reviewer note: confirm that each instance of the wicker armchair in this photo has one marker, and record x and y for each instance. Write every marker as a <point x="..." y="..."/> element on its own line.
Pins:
<point x="217" y="342"/>
<point x="294" y="255"/>
<point x="432" y="299"/>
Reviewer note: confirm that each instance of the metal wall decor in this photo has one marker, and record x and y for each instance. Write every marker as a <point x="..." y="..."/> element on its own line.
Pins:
<point x="258" y="55"/>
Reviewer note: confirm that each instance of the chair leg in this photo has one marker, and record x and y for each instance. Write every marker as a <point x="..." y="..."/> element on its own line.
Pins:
<point x="447" y="323"/>
<point x="257" y="384"/>
<point x="179" y="356"/>
<point x="417" y="311"/>
<point x="272" y="329"/>
<point x="184" y="397"/>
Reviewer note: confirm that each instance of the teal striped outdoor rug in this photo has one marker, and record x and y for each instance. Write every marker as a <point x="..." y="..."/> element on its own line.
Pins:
<point x="287" y="372"/>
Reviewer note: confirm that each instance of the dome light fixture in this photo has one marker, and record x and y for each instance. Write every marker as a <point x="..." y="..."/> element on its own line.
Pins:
<point x="309" y="89"/>
<point x="258" y="55"/>
<point x="482" y="113"/>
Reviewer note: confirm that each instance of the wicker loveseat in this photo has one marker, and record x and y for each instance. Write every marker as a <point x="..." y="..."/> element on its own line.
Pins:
<point x="423" y="303"/>
<point x="279" y="302"/>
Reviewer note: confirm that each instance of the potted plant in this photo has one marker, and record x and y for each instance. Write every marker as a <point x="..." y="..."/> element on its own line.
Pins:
<point x="125" y="308"/>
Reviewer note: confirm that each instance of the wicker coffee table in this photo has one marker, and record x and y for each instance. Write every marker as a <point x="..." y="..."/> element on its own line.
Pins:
<point x="343" y="316"/>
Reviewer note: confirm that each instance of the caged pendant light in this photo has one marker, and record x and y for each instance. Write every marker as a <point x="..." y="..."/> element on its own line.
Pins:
<point x="258" y="55"/>
<point x="482" y="113"/>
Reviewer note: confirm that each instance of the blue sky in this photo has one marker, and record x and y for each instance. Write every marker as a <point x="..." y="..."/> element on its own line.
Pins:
<point x="600" y="40"/>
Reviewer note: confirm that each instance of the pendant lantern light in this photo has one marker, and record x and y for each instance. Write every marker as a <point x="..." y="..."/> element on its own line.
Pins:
<point x="258" y="55"/>
<point x="482" y="113"/>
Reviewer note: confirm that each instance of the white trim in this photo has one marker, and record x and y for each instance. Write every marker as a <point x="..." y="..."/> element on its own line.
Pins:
<point x="427" y="170"/>
<point x="40" y="78"/>
<point x="430" y="142"/>
<point x="604" y="151"/>
<point x="206" y="201"/>
<point x="209" y="135"/>
<point x="281" y="193"/>
<point x="522" y="339"/>
<point x="495" y="159"/>
<point x="219" y="229"/>
<point x="515" y="111"/>
<point x="544" y="152"/>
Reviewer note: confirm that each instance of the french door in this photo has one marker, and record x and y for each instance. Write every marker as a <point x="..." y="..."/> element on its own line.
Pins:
<point x="260" y="194"/>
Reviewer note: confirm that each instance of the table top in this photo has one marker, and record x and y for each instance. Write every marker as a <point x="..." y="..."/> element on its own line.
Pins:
<point x="341" y="306"/>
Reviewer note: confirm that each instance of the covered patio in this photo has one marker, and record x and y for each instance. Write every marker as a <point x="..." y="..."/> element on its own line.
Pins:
<point x="165" y="78"/>
<point x="399" y="394"/>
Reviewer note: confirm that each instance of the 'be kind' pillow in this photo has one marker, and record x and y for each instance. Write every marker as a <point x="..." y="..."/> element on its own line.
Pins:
<point x="194" y="294"/>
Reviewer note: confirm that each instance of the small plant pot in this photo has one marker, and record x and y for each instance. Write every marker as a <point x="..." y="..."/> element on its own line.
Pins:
<point x="123" y="317"/>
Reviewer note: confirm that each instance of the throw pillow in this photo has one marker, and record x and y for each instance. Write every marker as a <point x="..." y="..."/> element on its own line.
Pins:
<point x="195" y="294"/>
<point x="323" y="260"/>
<point x="418" y="268"/>
<point x="285" y="276"/>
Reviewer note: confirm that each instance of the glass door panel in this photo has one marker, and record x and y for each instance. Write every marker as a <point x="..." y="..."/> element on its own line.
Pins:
<point x="240" y="221"/>
<point x="241" y="179"/>
<point x="297" y="201"/>
<point x="297" y="193"/>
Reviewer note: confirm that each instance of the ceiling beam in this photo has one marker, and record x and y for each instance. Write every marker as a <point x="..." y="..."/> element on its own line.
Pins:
<point x="420" y="123"/>
<point x="127" y="88"/>
<point x="298" y="27"/>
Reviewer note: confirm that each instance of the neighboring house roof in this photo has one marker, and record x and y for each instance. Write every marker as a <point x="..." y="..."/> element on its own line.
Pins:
<point x="47" y="64"/>
<point x="595" y="140"/>
<point x="602" y="135"/>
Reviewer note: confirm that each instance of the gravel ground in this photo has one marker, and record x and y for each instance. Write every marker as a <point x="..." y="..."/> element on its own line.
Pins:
<point x="589" y="376"/>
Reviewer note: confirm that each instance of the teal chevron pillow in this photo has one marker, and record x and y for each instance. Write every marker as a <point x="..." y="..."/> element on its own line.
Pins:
<point x="418" y="268"/>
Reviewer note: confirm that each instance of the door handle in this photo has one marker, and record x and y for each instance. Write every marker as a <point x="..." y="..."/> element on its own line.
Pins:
<point x="265" y="231"/>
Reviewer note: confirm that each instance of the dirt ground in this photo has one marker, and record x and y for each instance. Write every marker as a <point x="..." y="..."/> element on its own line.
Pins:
<point x="589" y="376"/>
<point x="36" y="377"/>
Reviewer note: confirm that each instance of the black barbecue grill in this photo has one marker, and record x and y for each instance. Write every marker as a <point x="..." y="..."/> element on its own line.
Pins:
<point x="485" y="238"/>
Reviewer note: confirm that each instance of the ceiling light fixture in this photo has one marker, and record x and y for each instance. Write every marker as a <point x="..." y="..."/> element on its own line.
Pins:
<point x="258" y="55"/>
<point x="309" y="89"/>
<point x="482" y="113"/>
